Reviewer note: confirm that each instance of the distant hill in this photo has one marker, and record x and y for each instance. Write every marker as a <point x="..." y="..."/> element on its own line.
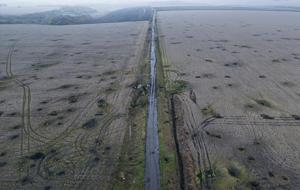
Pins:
<point x="249" y="8"/>
<point x="125" y="15"/>
<point x="64" y="15"/>
<point x="78" y="15"/>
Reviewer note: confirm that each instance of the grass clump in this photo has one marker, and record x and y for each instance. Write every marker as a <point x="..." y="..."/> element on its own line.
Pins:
<point x="112" y="88"/>
<point x="252" y="106"/>
<point x="109" y="73"/>
<point x="37" y="156"/>
<point x="208" y="110"/>
<point x="102" y="103"/>
<point x="140" y="99"/>
<point x="178" y="86"/>
<point x="264" y="102"/>
<point x="230" y="175"/>
<point x="90" y="124"/>
<point x="265" y="116"/>
<point x="141" y="102"/>
<point x="234" y="170"/>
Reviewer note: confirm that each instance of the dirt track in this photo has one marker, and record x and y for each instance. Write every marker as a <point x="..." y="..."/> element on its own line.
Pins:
<point x="65" y="95"/>
<point x="238" y="119"/>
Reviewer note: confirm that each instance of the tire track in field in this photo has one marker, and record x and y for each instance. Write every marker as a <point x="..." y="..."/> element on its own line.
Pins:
<point x="103" y="133"/>
<point x="48" y="143"/>
<point x="78" y="180"/>
<point x="80" y="150"/>
<point x="198" y="137"/>
<point x="260" y="129"/>
<point x="78" y="118"/>
<point x="10" y="75"/>
<point x="198" y="141"/>
<point x="26" y="108"/>
<point x="291" y="94"/>
<point x="85" y="172"/>
<point x="25" y="100"/>
<point x="27" y="132"/>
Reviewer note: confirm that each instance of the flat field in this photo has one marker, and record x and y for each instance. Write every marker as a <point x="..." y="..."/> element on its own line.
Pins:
<point x="235" y="77"/>
<point x="65" y="93"/>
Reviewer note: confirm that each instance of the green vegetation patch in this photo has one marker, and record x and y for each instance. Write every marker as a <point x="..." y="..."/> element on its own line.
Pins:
<point x="264" y="102"/>
<point x="141" y="98"/>
<point x="131" y="165"/>
<point x="102" y="104"/>
<point x="177" y="86"/>
<point x="250" y="105"/>
<point x="47" y="65"/>
<point x="109" y="72"/>
<point x="142" y="101"/>
<point x="209" y="110"/>
<point x="168" y="159"/>
<point x="230" y="175"/>
<point x="169" y="175"/>
<point x="92" y="123"/>
<point x="131" y="168"/>
<point x="114" y="86"/>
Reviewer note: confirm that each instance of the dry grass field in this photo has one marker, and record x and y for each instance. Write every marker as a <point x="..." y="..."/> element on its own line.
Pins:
<point x="235" y="77"/>
<point x="73" y="102"/>
<point x="65" y="93"/>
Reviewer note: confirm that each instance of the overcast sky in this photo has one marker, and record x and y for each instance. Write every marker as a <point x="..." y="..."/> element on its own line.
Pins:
<point x="209" y="2"/>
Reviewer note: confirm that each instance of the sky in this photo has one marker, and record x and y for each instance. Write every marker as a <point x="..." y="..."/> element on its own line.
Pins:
<point x="205" y="2"/>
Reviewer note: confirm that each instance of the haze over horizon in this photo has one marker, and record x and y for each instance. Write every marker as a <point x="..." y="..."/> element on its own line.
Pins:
<point x="149" y="2"/>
